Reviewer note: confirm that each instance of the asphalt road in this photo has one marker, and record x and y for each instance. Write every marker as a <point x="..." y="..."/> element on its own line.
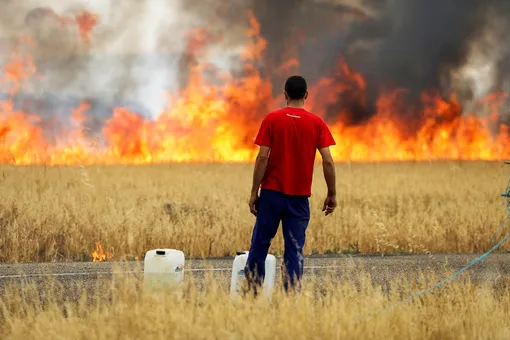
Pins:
<point x="382" y="269"/>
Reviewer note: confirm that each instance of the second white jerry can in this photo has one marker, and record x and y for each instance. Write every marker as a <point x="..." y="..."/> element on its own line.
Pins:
<point x="238" y="274"/>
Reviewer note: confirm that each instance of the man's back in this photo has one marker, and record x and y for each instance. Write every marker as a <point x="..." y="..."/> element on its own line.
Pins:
<point x="288" y="140"/>
<point x="293" y="135"/>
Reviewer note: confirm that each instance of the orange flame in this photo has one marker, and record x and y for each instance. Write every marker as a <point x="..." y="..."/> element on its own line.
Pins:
<point x="99" y="255"/>
<point x="207" y="122"/>
<point x="86" y="22"/>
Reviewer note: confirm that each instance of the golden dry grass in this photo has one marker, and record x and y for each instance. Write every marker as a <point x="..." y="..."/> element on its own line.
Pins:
<point x="54" y="214"/>
<point x="331" y="310"/>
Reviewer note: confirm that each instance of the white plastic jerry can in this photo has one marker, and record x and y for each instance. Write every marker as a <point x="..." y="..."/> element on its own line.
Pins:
<point x="163" y="267"/>
<point x="238" y="274"/>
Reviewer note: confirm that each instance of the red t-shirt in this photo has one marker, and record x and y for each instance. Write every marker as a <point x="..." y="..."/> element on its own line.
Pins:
<point x="293" y="135"/>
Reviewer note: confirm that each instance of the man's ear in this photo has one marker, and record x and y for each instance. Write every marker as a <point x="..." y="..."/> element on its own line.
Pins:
<point x="306" y="94"/>
<point x="286" y="95"/>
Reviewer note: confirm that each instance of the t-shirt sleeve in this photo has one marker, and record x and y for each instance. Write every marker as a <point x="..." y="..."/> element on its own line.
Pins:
<point x="264" y="135"/>
<point x="325" y="137"/>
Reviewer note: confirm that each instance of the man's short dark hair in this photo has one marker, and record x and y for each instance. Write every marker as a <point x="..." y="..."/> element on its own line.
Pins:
<point x="296" y="87"/>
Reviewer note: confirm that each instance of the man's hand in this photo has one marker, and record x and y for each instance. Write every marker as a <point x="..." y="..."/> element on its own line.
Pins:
<point x="253" y="203"/>
<point x="329" y="204"/>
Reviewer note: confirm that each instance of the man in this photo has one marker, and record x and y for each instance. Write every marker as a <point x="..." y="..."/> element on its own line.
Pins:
<point x="288" y="140"/>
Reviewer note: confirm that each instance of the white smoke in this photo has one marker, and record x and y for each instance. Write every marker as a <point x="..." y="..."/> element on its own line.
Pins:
<point x="135" y="54"/>
<point x="480" y="71"/>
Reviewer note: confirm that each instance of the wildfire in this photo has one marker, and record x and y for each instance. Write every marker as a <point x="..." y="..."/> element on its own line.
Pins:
<point x="99" y="255"/>
<point x="207" y="122"/>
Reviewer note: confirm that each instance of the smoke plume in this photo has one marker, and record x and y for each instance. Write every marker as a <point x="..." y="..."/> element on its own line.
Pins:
<point x="139" y="49"/>
<point x="134" y="58"/>
<point x="417" y="45"/>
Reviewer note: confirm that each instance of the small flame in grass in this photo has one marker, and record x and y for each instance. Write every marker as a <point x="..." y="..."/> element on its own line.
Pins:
<point x="99" y="255"/>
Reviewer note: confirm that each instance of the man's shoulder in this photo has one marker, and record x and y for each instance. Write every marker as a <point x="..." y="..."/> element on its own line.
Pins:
<point x="275" y="112"/>
<point x="270" y="116"/>
<point x="313" y="117"/>
<point x="285" y="110"/>
<point x="282" y="112"/>
<point x="318" y="119"/>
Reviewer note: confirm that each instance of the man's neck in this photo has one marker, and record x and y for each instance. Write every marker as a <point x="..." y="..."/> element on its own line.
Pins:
<point x="296" y="104"/>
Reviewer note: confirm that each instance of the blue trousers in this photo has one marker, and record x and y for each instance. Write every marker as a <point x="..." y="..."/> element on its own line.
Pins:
<point x="294" y="213"/>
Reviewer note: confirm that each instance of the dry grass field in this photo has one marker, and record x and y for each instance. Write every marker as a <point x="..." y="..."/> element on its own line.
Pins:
<point x="59" y="213"/>
<point x="328" y="310"/>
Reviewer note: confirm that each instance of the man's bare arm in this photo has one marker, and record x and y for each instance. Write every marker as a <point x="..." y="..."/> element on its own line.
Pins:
<point x="328" y="166"/>
<point x="260" y="169"/>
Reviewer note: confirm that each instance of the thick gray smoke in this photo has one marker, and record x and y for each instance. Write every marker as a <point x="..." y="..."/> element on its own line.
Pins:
<point x="138" y="52"/>
<point x="429" y="42"/>
<point x="454" y="45"/>
<point x="136" y="57"/>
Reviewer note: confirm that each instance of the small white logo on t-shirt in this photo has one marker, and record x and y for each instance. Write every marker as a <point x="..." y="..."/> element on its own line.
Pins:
<point x="293" y="116"/>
